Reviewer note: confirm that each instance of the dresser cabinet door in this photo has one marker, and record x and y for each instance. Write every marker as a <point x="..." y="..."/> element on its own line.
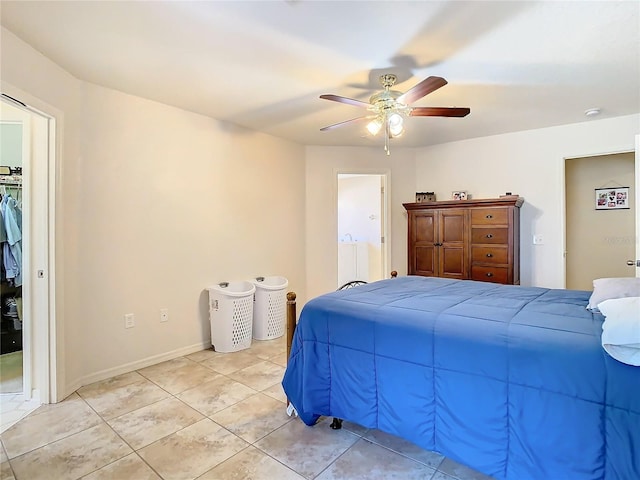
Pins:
<point x="452" y="244"/>
<point x="422" y="240"/>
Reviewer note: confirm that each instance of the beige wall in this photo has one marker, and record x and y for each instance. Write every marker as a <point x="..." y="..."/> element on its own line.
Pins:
<point x="155" y="205"/>
<point x="323" y="164"/>
<point x="531" y="164"/>
<point x="598" y="242"/>
<point x="173" y="202"/>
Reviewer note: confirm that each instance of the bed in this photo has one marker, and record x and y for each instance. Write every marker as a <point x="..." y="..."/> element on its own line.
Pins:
<point x="511" y="381"/>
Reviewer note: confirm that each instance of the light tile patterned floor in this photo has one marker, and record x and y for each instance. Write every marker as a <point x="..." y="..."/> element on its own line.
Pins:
<point x="206" y="416"/>
<point x="14" y="407"/>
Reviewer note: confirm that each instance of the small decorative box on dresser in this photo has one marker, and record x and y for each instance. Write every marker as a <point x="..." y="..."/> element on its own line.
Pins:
<point x="466" y="239"/>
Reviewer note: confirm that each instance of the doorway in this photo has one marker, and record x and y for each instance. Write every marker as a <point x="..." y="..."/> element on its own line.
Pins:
<point x="26" y="288"/>
<point x="362" y="227"/>
<point x="14" y="147"/>
<point x="599" y="242"/>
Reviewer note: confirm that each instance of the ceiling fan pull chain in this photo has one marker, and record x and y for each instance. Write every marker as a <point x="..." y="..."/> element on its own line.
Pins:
<point x="386" y="136"/>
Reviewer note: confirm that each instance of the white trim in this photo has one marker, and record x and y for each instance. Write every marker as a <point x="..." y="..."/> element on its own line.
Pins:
<point x="138" y="364"/>
<point x="637" y="195"/>
<point x="51" y="200"/>
<point x="27" y="254"/>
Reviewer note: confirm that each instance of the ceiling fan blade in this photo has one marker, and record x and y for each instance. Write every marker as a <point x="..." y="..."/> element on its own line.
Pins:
<point x="348" y="101"/>
<point x="425" y="87"/>
<point x="336" y="125"/>
<point x="439" y="112"/>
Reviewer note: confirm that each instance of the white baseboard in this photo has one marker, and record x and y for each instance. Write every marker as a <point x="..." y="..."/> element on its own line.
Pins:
<point x="130" y="367"/>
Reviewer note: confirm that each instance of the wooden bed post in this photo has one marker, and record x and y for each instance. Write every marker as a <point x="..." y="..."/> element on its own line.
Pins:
<point x="291" y="320"/>
<point x="291" y="323"/>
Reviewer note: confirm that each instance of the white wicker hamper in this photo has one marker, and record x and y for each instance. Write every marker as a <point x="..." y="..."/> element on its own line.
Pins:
<point x="269" y="310"/>
<point x="231" y="315"/>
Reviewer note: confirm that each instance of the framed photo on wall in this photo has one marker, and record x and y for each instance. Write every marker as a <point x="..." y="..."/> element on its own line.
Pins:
<point x="612" y="198"/>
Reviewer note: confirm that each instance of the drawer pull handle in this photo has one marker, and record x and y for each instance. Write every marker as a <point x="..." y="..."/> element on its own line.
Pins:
<point x="489" y="255"/>
<point x="489" y="274"/>
<point x="489" y="235"/>
<point x="489" y="216"/>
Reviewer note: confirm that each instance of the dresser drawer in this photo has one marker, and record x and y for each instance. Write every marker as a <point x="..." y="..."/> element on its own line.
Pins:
<point x="489" y="216"/>
<point x="489" y="274"/>
<point x="497" y="255"/>
<point x="490" y="235"/>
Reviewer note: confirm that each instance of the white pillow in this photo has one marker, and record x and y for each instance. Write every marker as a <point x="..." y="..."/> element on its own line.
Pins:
<point x="606" y="288"/>
<point x="621" y="329"/>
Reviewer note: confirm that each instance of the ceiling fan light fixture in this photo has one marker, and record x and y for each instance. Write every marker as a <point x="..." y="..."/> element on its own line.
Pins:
<point x="374" y="126"/>
<point x="396" y="124"/>
<point x="396" y="131"/>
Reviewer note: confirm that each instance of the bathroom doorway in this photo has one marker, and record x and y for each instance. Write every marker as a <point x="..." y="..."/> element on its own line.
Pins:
<point x="362" y="227"/>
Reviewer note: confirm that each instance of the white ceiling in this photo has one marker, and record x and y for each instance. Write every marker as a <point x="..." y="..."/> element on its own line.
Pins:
<point x="518" y="65"/>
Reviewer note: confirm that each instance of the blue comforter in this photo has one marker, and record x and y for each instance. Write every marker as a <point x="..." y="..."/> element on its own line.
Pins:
<point x="509" y="380"/>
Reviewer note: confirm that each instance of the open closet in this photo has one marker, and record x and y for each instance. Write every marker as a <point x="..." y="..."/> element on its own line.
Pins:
<point x="11" y="264"/>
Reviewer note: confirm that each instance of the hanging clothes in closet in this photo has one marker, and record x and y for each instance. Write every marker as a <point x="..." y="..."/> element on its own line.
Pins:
<point x="11" y="230"/>
<point x="12" y="248"/>
<point x="11" y="255"/>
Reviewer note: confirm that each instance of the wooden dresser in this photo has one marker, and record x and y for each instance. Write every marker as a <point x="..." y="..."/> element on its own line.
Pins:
<point x="466" y="239"/>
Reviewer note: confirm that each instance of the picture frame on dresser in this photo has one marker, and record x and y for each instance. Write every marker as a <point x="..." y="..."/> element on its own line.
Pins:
<point x="425" y="197"/>
<point x="459" y="195"/>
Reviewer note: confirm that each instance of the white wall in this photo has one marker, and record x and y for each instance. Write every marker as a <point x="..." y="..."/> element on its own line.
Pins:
<point x="323" y="165"/>
<point x="531" y="164"/>
<point x="155" y="205"/>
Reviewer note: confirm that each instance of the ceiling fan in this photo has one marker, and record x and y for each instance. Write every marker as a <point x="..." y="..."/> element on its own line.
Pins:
<point x="389" y="107"/>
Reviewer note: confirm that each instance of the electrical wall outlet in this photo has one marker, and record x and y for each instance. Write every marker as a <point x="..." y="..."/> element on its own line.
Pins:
<point x="164" y="314"/>
<point x="129" y="320"/>
<point x="538" y="240"/>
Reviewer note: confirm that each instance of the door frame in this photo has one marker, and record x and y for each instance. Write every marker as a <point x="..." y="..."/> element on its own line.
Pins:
<point x="385" y="175"/>
<point x="39" y="273"/>
<point x="637" y="163"/>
